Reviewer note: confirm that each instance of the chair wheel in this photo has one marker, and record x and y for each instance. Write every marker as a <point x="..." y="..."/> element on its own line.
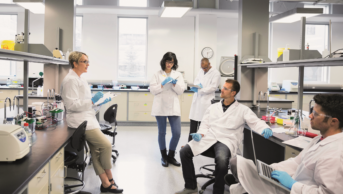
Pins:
<point x="201" y="191"/>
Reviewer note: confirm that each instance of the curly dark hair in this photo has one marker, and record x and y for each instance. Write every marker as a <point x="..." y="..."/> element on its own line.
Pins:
<point x="332" y="104"/>
<point x="169" y="56"/>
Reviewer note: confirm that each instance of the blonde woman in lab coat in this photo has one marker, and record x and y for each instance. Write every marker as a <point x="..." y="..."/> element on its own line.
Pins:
<point x="79" y="104"/>
<point x="166" y="85"/>
<point x="318" y="169"/>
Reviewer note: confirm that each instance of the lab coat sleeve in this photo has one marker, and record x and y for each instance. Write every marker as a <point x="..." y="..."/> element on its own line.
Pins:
<point x="254" y="122"/>
<point x="328" y="174"/>
<point x="71" y="98"/>
<point x="212" y="87"/>
<point x="205" y="122"/>
<point x="180" y="86"/>
<point x="155" y="86"/>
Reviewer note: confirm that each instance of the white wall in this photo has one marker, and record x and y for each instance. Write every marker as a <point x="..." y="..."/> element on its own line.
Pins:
<point x="99" y="41"/>
<point x="336" y="76"/>
<point x="227" y="38"/>
<point x="174" y="35"/>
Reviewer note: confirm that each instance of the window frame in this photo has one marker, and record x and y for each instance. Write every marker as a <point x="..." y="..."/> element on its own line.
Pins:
<point x="146" y="48"/>
<point x="13" y="64"/>
<point x="118" y="4"/>
<point x="74" y="46"/>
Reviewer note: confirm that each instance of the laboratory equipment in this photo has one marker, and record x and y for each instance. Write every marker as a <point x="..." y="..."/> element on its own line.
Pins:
<point x="9" y="121"/>
<point x="8" y="82"/>
<point x="19" y="38"/>
<point x="134" y="87"/>
<point x="57" y="114"/>
<point x="14" y="143"/>
<point x="57" y="53"/>
<point x="4" y="122"/>
<point x="15" y="80"/>
<point x="290" y="85"/>
<point x="8" y="44"/>
<point x="100" y="87"/>
<point x="274" y="87"/>
<point x="28" y="132"/>
<point x="266" y="97"/>
<point x="67" y="54"/>
<point x="259" y="100"/>
<point x="227" y="66"/>
<point x="286" y="54"/>
<point x="34" y="80"/>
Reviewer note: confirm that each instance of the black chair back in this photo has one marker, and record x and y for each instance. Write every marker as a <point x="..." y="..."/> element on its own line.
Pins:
<point x="78" y="139"/>
<point x="111" y="114"/>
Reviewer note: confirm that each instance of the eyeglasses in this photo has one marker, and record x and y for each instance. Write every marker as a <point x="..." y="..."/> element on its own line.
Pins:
<point x="227" y="89"/>
<point x="315" y="114"/>
<point x="170" y="62"/>
<point x="85" y="62"/>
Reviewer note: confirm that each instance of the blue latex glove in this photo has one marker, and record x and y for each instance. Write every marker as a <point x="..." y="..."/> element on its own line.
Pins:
<point x="97" y="96"/>
<point x="167" y="80"/>
<point x="196" y="136"/>
<point x="107" y="100"/>
<point x="267" y="133"/>
<point x="174" y="81"/>
<point x="200" y="85"/>
<point x="284" y="178"/>
<point x="194" y="89"/>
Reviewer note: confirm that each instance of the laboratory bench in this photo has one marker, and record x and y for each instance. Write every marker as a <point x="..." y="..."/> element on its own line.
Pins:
<point x="42" y="170"/>
<point x="270" y="150"/>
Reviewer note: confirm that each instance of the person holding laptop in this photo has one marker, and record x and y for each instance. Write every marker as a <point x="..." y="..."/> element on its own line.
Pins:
<point x="221" y="131"/>
<point x="318" y="169"/>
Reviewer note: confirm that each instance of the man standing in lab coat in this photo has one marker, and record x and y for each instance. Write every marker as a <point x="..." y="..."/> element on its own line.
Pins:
<point x="208" y="79"/>
<point x="220" y="132"/>
<point x="318" y="169"/>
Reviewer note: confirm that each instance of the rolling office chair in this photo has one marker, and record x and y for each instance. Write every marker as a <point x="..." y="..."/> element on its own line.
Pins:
<point x="210" y="175"/>
<point x="110" y="116"/>
<point x="77" y="142"/>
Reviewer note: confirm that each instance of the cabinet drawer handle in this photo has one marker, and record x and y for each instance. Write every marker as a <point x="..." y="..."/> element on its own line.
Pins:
<point x="59" y="156"/>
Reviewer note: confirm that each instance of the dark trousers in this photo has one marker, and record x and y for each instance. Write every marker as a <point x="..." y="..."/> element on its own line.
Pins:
<point x="222" y="156"/>
<point x="194" y="128"/>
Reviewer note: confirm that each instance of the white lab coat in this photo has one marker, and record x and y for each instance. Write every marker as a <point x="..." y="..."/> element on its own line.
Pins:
<point x="77" y="96"/>
<point x="202" y="99"/>
<point x="166" y="101"/>
<point x="318" y="169"/>
<point x="226" y="128"/>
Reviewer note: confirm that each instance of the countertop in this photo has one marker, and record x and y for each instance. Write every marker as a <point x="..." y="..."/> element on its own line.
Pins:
<point x="271" y="99"/>
<point x="16" y="175"/>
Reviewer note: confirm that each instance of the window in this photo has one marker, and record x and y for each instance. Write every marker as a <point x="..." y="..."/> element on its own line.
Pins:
<point x="78" y="33"/>
<point x="132" y="48"/>
<point x="8" y="31"/>
<point x="133" y="3"/>
<point x="326" y="8"/>
<point x="79" y="2"/>
<point x="317" y="39"/>
<point x="6" y="1"/>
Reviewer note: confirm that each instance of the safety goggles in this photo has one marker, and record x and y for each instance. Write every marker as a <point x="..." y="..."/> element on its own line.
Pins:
<point x="315" y="114"/>
<point x="85" y="62"/>
<point x="226" y="89"/>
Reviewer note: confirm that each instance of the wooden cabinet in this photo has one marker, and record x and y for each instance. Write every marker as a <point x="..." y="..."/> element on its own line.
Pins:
<point x="50" y="179"/>
<point x="140" y="105"/>
<point x="7" y="93"/>
<point x="290" y="152"/>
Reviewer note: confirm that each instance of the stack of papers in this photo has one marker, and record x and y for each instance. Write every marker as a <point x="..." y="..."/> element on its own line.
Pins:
<point x="279" y="130"/>
<point x="300" y="142"/>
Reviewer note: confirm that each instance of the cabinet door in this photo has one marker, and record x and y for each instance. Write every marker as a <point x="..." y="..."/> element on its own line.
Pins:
<point x="38" y="183"/>
<point x="186" y="103"/>
<point x="7" y="93"/>
<point x="121" y="100"/>
<point x="57" y="181"/>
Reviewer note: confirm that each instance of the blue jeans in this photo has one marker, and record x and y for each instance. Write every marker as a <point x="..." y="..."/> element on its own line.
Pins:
<point x="175" y="123"/>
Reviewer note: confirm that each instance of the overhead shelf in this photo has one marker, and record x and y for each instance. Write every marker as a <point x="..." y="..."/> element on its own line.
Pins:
<point x="298" y="63"/>
<point x="30" y="57"/>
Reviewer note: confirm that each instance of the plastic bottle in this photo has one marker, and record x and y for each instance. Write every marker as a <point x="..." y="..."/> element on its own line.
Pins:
<point x="8" y="82"/>
<point x="325" y="53"/>
<point x="67" y="55"/>
<point x="28" y="132"/>
<point x="307" y="47"/>
<point x="286" y="54"/>
<point x="38" y="90"/>
<point x="15" y="80"/>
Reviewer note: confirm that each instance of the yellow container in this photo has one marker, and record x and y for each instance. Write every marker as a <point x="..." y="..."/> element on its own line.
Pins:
<point x="7" y="44"/>
<point x="280" y="52"/>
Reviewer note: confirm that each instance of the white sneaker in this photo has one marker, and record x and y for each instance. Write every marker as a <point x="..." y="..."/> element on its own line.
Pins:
<point x="188" y="191"/>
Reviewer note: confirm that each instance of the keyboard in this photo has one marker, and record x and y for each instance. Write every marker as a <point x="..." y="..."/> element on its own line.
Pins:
<point x="267" y="171"/>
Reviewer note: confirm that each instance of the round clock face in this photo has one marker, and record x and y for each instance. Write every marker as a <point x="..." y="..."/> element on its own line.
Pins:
<point x="207" y="52"/>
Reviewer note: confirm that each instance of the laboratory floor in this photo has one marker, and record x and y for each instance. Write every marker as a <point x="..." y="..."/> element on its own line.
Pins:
<point x="138" y="169"/>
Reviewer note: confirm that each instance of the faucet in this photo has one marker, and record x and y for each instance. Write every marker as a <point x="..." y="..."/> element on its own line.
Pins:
<point x="16" y="97"/>
<point x="33" y="85"/>
<point x="5" y="117"/>
<point x="259" y="100"/>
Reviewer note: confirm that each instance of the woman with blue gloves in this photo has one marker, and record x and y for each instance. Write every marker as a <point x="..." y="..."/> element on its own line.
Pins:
<point x="166" y="85"/>
<point x="79" y="104"/>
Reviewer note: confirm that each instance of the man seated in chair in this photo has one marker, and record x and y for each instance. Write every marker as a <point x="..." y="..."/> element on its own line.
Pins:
<point x="318" y="169"/>
<point x="221" y="130"/>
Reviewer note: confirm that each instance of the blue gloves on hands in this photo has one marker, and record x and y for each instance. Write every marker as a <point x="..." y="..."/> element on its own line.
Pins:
<point x="107" y="100"/>
<point x="174" y="81"/>
<point x="97" y="96"/>
<point x="194" y="89"/>
<point x="200" y="85"/>
<point x="167" y="80"/>
<point x="267" y="133"/>
<point x="284" y="178"/>
<point x="196" y="136"/>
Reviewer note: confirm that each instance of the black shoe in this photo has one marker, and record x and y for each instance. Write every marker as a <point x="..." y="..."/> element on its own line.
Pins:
<point x="109" y="190"/>
<point x="230" y="179"/>
<point x="113" y="183"/>
<point x="171" y="158"/>
<point x="164" y="158"/>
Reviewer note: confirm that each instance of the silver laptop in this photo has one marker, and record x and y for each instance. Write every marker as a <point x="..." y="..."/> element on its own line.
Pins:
<point x="264" y="170"/>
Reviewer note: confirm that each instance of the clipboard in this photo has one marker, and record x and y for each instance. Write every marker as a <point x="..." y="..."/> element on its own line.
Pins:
<point x="194" y="86"/>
